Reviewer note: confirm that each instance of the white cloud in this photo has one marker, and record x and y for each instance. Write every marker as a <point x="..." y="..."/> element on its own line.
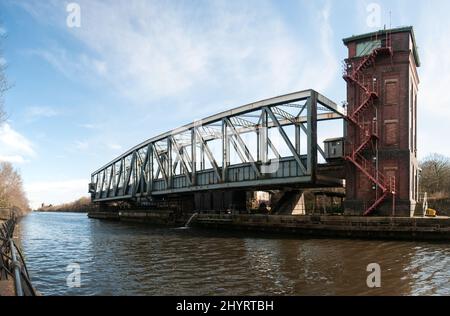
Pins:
<point x="435" y="75"/>
<point x="12" y="159"/>
<point x="114" y="146"/>
<point x="55" y="192"/>
<point x="81" y="145"/>
<point x="14" y="147"/>
<point x="148" y="50"/>
<point x="433" y="98"/>
<point x="75" y="66"/>
<point x="33" y="113"/>
<point x="89" y="126"/>
<point x="324" y="68"/>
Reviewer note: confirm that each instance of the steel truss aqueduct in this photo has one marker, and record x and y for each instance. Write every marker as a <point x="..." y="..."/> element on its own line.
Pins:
<point x="274" y="142"/>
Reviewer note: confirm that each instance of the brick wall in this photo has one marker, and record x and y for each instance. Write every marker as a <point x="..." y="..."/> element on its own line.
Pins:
<point x="394" y="118"/>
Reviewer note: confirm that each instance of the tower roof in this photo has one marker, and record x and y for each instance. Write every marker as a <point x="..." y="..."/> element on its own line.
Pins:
<point x="379" y="33"/>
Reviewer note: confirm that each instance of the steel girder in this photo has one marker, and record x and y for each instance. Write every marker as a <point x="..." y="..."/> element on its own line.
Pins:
<point x="197" y="156"/>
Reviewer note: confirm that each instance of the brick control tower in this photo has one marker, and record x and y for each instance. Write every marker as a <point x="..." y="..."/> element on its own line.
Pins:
<point x="381" y="129"/>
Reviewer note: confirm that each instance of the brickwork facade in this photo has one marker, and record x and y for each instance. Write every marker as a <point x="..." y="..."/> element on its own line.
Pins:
<point x="393" y="116"/>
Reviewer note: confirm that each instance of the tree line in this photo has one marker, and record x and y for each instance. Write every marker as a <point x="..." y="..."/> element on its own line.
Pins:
<point x="81" y="205"/>
<point x="435" y="176"/>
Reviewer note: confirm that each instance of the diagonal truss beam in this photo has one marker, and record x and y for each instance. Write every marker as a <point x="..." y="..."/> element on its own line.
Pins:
<point x="119" y="177"/>
<point x="161" y="167"/>
<point x="274" y="149"/>
<point x="244" y="148"/>
<point x="111" y="174"/>
<point x="210" y="155"/>
<point x="236" y="148"/>
<point x="181" y="158"/>
<point x="128" y="177"/>
<point x="102" y="182"/>
<point x="286" y="139"/>
<point x="142" y="181"/>
<point x="294" y="121"/>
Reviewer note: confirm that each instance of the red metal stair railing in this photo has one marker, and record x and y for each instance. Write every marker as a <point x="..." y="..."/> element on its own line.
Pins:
<point x="367" y="132"/>
<point x="385" y="184"/>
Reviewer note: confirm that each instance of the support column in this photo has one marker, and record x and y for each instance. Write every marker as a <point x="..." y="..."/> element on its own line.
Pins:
<point x="297" y="138"/>
<point x="225" y="150"/>
<point x="202" y="157"/>
<point x="263" y="136"/>
<point x="169" y="164"/>
<point x="150" y="170"/>
<point x="312" y="136"/>
<point x="194" y="156"/>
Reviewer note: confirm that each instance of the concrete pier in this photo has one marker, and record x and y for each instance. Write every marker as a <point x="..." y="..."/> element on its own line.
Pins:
<point x="405" y="228"/>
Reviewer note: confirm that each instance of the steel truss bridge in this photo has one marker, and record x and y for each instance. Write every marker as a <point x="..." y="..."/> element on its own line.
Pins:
<point x="266" y="144"/>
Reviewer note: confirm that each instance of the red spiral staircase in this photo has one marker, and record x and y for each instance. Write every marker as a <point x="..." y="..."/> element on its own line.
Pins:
<point x="366" y="130"/>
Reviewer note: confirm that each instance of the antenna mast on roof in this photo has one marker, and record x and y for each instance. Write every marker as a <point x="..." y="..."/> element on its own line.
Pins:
<point x="390" y="19"/>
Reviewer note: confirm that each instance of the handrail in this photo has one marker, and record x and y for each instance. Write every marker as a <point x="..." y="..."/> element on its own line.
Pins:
<point x="16" y="268"/>
<point x="12" y="263"/>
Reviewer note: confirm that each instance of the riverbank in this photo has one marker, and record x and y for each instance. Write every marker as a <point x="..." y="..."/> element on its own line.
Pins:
<point x="82" y="205"/>
<point x="397" y="228"/>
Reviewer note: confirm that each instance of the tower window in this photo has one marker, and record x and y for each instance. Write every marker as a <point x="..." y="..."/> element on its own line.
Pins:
<point x="365" y="48"/>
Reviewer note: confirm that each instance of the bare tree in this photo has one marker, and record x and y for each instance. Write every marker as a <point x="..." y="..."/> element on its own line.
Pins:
<point x="435" y="175"/>
<point x="12" y="194"/>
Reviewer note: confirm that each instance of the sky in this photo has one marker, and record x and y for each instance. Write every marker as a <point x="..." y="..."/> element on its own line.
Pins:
<point x="84" y="93"/>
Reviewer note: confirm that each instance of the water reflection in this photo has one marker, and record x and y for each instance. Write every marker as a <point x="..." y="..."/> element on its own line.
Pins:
<point x="132" y="259"/>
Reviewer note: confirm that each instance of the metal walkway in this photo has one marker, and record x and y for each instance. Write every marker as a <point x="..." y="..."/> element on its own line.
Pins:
<point x="263" y="144"/>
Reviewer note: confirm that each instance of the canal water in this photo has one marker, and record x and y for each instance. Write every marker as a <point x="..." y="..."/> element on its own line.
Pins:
<point x="133" y="259"/>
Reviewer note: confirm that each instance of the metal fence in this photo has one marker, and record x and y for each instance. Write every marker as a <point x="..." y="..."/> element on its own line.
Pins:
<point x="12" y="263"/>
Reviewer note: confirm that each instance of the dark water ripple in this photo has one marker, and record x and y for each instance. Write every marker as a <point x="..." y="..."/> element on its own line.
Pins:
<point x="131" y="259"/>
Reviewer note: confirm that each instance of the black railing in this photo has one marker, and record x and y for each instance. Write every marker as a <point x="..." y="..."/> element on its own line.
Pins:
<point x="12" y="263"/>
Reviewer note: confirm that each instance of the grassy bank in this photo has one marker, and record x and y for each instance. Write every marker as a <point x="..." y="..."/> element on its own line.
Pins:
<point x="82" y="205"/>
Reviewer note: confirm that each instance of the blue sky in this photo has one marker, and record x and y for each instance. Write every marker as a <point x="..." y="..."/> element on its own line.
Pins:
<point x="82" y="96"/>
